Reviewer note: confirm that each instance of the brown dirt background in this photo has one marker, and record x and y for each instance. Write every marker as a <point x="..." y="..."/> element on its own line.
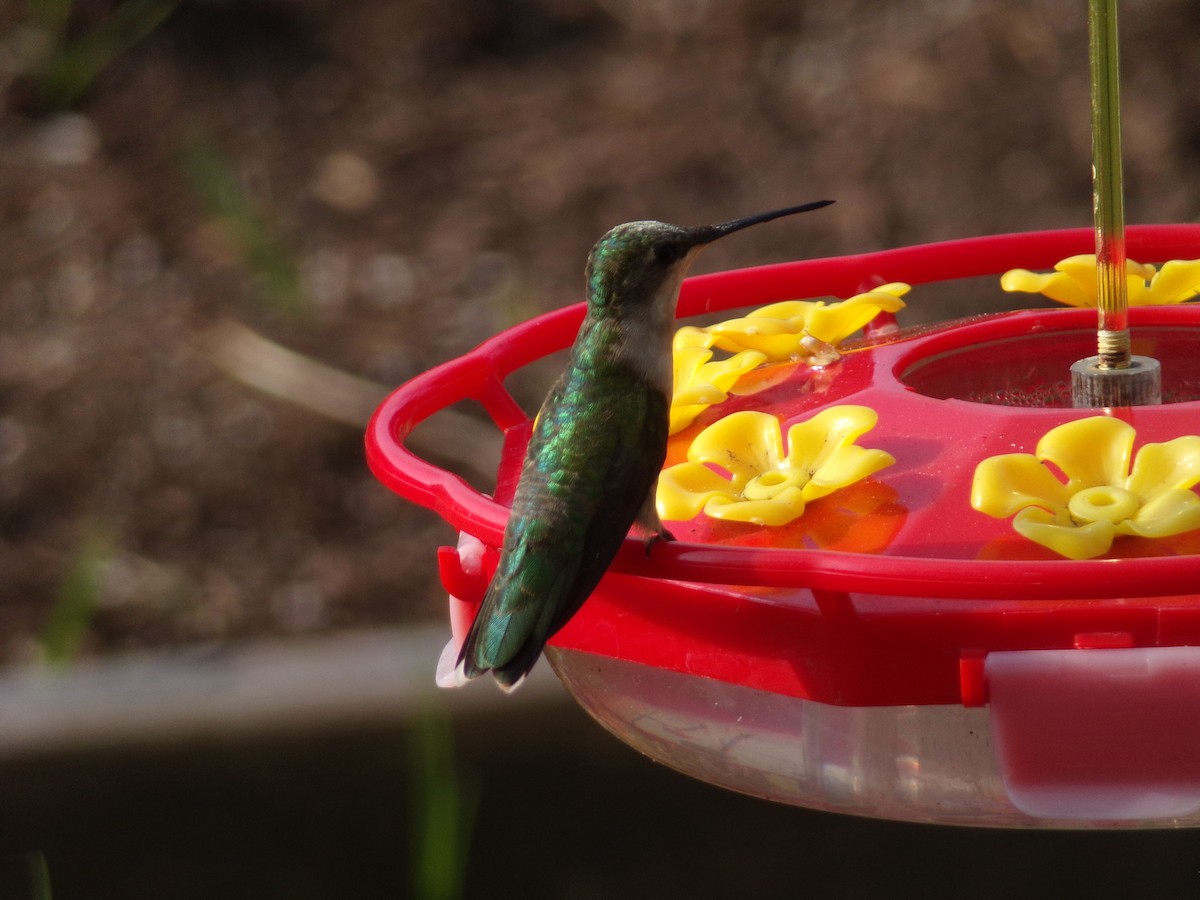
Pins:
<point x="379" y="186"/>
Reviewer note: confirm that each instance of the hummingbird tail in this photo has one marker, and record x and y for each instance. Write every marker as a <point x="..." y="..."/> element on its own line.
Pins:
<point x="492" y="646"/>
<point x="509" y="675"/>
<point x="518" y="615"/>
<point x="512" y="675"/>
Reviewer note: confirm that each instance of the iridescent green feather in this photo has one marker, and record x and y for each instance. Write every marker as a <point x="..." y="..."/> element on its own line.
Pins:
<point x="591" y="463"/>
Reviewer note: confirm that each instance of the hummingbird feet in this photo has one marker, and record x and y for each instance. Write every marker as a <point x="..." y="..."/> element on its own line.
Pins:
<point x="655" y="536"/>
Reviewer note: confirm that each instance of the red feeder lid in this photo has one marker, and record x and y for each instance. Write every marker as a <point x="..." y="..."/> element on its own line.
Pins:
<point x="891" y="591"/>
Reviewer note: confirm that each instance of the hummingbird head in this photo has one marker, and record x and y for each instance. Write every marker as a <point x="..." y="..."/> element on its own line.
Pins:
<point x="641" y="264"/>
<point x="633" y="278"/>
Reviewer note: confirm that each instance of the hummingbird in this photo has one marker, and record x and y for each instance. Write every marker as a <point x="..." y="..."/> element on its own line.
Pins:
<point x="597" y="447"/>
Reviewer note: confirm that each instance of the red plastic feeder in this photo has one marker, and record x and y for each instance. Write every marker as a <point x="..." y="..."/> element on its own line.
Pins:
<point x="896" y="653"/>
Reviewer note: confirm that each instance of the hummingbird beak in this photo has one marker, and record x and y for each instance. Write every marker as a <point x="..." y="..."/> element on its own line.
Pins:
<point x="719" y="231"/>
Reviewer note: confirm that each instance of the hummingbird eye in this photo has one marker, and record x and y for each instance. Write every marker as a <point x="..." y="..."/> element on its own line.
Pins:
<point x="669" y="253"/>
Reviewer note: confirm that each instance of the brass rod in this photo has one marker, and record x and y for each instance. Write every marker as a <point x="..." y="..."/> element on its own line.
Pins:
<point x="1113" y="345"/>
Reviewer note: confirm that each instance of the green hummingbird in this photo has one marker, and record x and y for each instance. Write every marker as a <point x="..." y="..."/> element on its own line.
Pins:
<point x="597" y="447"/>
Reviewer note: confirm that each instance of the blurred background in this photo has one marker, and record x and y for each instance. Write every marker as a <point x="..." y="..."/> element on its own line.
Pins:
<point x="229" y="227"/>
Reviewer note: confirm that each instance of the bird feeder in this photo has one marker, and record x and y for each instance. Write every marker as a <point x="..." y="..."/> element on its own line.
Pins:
<point x="986" y="613"/>
<point x="895" y="651"/>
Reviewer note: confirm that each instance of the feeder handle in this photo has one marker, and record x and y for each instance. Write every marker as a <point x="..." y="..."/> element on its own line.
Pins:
<point x="478" y="375"/>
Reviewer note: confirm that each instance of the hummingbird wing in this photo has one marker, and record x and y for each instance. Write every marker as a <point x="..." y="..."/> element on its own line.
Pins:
<point x="587" y="474"/>
<point x="636" y="460"/>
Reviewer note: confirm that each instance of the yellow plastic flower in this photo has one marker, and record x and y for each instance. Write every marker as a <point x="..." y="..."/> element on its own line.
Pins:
<point x="699" y="382"/>
<point x="690" y="336"/>
<point x="798" y="328"/>
<point x="756" y="481"/>
<point x="1102" y="496"/>
<point x="1073" y="281"/>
